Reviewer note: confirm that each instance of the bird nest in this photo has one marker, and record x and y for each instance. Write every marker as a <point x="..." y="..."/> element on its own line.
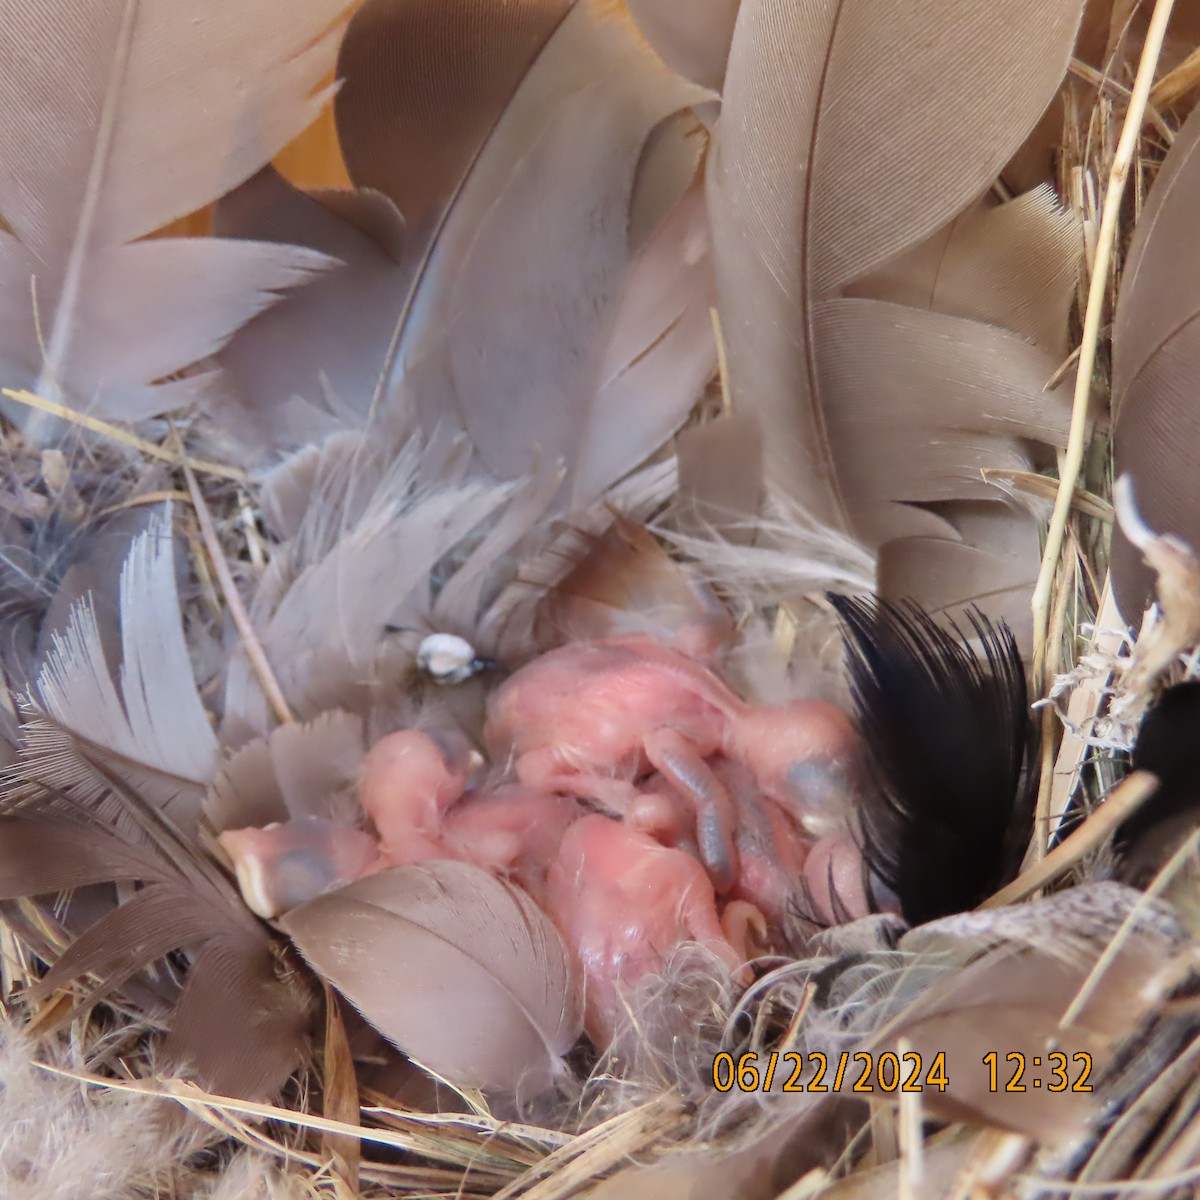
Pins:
<point x="1043" y="1045"/>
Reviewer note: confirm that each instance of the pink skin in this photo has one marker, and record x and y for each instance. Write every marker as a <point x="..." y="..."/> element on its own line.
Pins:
<point x="663" y="815"/>
<point x="591" y="718"/>
<point x="575" y="719"/>
<point x="803" y="754"/>
<point x="834" y="876"/>
<point x="779" y="870"/>
<point x="286" y="864"/>
<point x="771" y="848"/>
<point x="412" y="788"/>
<point x="623" y="902"/>
<point x="714" y="793"/>
<point x="512" y="830"/>
<point x="408" y="782"/>
<point x="703" y="641"/>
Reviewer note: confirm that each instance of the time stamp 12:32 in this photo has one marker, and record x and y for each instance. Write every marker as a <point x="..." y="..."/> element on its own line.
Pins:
<point x="886" y="1072"/>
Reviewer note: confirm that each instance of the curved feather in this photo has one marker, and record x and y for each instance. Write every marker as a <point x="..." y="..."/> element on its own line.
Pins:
<point x="1010" y="267"/>
<point x="984" y="554"/>
<point x="1022" y="993"/>
<point x="946" y="729"/>
<point x="460" y="970"/>
<point x="118" y="117"/>
<point x="693" y="36"/>
<point x="426" y="83"/>
<point x="625" y="582"/>
<point x="1156" y="355"/>
<point x="251" y="1035"/>
<point x="151" y="724"/>
<point x="1014" y="265"/>
<point x="361" y="560"/>
<point x="848" y="135"/>
<point x="513" y="148"/>
<point x="308" y="365"/>
<point x="108" y="789"/>
<point x="298" y="770"/>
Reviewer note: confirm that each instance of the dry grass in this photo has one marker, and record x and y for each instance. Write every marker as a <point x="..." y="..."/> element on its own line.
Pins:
<point x="332" y="1138"/>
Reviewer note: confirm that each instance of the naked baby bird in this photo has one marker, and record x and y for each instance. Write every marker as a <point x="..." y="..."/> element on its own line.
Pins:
<point x="696" y="825"/>
<point x="594" y="719"/>
<point x="413" y="789"/>
<point x="652" y="806"/>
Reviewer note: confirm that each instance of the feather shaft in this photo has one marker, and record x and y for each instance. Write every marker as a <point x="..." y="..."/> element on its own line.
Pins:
<point x="1044" y="656"/>
<point x="237" y="610"/>
<point x="108" y="430"/>
<point x="64" y="314"/>
<point x="163" y="111"/>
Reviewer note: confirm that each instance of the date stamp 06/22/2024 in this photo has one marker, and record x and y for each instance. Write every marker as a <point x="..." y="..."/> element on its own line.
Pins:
<point x="887" y="1073"/>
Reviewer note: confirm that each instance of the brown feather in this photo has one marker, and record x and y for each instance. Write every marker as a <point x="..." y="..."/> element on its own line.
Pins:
<point x="460" y="970"/>
<point x="1015" y="265"/>
<point x="1017" y="994"/>
<point x="720" y="476"/>
<point x="530" y="164"/>
<point x="308" y="366"/>
<point x="626" y="582"/>
<point x="425" y="84"/>
<point x="1156" y="355"/>
<point x="108" y="790"/>
<point x="118" y="118"/>
<point x="125" y="705"/>
<point x="361" y="560"/>
<point x="692" y="36"/>
<point x="799" y="215"/>
<point x="298" y="770"/>
<point x="246" y="1037"/>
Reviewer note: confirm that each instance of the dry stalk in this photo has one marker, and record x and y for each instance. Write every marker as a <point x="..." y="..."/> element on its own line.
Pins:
<point x="124" y="437"/>
<point x="233" y="600"/>
<point x="1187" y="849"/>
<point x="1072" y="462"/>
<point x="1124" y="800"/>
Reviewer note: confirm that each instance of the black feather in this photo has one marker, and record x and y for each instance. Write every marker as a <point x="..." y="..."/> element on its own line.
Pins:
<point x="1168" y="745"/>
<point x="950" y="748"/>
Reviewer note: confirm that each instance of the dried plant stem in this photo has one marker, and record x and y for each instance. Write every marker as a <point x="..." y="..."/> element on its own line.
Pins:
<point x="588" y="1156"/>
<point x="1072" y="462"/>
<point x="340" y="1097"/>
<point x="450" y="1138"/>
<point x="237" y="610"/>
<point x="143" y="501"/>
<point x="1178" y="82"/>
<point x="912" y="1140"/>
<point x="117" y="434"/>
<point x="1041" y="487"/>
<point x="722" y="362"/>
<point x="1186" y="850"/>
<point x="1129" y="795"/>
<point x="1101" y="80"/>
<point x="1148" y="1113"/>
<point x="1043" y="816"/>
<point x="1097" y="290"/>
